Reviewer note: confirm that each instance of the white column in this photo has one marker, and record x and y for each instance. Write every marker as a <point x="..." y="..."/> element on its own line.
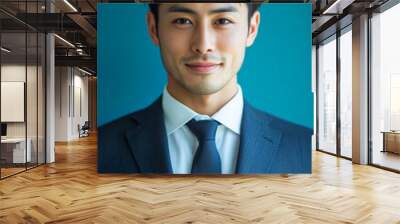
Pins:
<point x="50" y="93"/>
<point x="360" y="90"/>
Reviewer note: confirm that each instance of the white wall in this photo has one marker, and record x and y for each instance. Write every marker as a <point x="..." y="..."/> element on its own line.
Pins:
<point x="80" y="112"/>
<point x="12" y="73"/>
<point x="71" y="94"/>
<point x="61" y="103"/>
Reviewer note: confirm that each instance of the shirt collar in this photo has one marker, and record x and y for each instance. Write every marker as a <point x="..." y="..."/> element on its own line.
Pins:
<point x="177" y="114"/>
<point x="230" y="115"/>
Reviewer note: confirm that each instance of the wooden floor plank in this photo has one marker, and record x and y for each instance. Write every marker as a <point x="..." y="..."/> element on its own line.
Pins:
<point x="71" y="191"/>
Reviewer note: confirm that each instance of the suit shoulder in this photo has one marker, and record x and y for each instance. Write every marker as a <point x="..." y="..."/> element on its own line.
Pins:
<point x="120" y="123"/>
<point x="294" y="152"/>
<point x="114" y="155"/>
<point x="129" y="120"/>
<point x="284" y="125"/>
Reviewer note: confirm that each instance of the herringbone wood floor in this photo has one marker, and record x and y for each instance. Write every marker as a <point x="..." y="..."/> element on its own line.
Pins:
<point x="70" y="191"/>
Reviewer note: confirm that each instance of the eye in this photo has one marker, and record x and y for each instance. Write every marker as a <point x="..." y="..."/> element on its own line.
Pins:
<point x="182" y="21"/>
<point x="223" y="21"/>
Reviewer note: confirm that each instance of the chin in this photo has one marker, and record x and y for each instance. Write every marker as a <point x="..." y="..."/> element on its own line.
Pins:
<point x="205" y="89"/>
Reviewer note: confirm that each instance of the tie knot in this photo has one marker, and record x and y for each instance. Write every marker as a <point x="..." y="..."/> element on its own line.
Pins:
<point x="203" y="129"/>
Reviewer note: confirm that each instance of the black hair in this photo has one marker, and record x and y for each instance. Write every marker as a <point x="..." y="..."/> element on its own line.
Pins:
<point x="253" y="7"/>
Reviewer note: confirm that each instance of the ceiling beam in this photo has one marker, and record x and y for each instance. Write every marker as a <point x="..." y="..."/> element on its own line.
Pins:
<point x="82" y="61"/>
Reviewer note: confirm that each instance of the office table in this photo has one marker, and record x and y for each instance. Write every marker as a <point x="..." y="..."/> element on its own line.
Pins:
<point x="13" y="150"/>
<point x="391" y="141"/>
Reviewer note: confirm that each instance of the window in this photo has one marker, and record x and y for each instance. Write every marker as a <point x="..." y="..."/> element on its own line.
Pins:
<point x="327" y="95"/>
<point x="385" y="88"/>
<point x="346" y="92"/>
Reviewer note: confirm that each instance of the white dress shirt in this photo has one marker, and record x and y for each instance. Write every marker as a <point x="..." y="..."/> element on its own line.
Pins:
<point x="183" y="144"/>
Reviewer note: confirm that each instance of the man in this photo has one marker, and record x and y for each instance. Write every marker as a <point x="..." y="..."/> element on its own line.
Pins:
<point x="201" y="124"/>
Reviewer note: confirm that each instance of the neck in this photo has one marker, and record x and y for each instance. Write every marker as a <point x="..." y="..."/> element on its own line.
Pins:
<point x="203" y="104"/>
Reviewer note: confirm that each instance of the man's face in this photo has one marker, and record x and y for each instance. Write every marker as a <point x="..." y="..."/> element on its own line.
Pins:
<point x="203" y="44"/>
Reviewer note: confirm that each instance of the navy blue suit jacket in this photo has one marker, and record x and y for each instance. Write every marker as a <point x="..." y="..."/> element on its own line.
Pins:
<point x="137" y="143"/>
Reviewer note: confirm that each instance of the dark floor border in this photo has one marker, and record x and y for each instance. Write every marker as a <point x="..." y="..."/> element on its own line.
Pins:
<point x="29" y="168"/>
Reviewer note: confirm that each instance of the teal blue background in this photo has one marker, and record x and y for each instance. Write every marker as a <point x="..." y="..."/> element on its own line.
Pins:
<point x="275" y="76"/>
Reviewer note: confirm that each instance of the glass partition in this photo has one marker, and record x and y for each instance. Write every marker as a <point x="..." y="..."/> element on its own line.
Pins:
<point x="14" y="153"/>
<point x="31" y="101"/>
<point x="41" y="91"/>
<point x="327" y="95"/>
<point x="22" y="77"/>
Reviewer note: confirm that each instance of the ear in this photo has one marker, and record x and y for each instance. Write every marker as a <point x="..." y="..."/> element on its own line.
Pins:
<point x="253" y="28"/>
<point x="152" y="29"/>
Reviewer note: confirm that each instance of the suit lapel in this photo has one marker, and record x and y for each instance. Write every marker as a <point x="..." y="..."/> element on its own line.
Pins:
<point x="148" y="140"/>
<point x="258" y="142"/>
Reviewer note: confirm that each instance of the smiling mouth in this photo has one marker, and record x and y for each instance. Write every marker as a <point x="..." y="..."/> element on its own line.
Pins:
<point x="204" y="67"/>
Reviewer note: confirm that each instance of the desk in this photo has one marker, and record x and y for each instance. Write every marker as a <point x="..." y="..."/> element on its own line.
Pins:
<point x="15" y="148"/>
<point x="391" y="141"/>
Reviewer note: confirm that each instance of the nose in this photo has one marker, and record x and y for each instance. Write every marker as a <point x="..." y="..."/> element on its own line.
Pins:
<point x="203" y="39"/>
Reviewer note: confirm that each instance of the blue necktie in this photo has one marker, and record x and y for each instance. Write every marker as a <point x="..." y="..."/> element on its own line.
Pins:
<point x="206" y="159"/>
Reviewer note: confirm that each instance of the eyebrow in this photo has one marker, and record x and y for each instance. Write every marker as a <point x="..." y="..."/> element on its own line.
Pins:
<point x="177" y="8"/>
